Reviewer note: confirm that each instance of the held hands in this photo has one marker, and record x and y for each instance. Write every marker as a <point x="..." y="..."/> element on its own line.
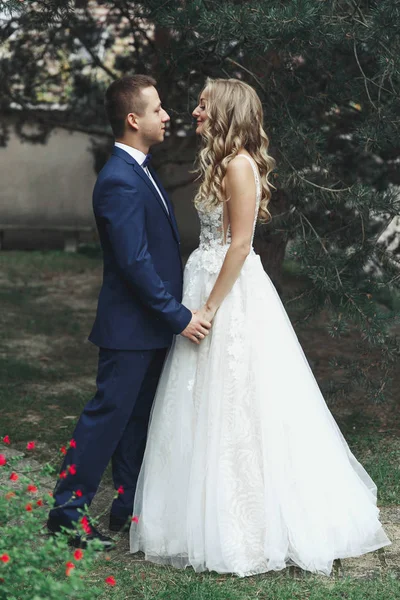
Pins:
<point x="205" y="313"/>
<point x="199" y="327"/>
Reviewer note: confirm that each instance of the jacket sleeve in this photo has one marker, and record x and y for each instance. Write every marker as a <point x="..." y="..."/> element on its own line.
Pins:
<point x="122" y="208"/>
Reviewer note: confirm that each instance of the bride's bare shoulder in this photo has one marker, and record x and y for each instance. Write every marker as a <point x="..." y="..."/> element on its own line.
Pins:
<point x="239" y="172"/>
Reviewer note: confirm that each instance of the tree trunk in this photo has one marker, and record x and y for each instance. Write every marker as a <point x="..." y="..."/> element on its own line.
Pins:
<point x="270" y="242"/>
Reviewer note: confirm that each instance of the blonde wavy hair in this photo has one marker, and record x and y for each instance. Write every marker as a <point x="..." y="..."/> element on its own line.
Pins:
<point x="235" y="122"/>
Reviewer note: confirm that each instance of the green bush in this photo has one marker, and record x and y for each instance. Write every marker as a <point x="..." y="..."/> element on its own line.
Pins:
<point x="33" y="564"/>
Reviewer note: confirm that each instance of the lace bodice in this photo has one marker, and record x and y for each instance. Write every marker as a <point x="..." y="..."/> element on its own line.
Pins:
<point x="212" y="221"/>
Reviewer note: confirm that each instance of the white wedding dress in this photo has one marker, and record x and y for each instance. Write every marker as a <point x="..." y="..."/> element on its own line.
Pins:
<point x="245" y="469"/>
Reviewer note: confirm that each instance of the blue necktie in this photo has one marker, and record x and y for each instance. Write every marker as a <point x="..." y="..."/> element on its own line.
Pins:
<point x="146" y="161"/>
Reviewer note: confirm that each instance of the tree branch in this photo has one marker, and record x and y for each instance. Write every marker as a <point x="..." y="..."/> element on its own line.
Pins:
<point x="364" y="76"/>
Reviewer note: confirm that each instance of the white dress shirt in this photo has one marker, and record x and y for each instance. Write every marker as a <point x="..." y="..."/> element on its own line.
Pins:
<point x="139" y="156"/>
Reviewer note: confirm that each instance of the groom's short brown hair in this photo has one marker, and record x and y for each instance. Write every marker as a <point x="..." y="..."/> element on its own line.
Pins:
<point x="124" y="96"/>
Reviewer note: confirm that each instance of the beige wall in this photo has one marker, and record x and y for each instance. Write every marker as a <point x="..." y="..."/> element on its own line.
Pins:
<point x="47" y="185"/>
<point x="50" y="186"/>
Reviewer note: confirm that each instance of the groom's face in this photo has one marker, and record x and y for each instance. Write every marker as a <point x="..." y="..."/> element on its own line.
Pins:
<point x="151" y="123"/>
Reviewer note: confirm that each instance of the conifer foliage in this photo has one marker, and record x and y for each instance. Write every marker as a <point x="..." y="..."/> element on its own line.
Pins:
<point x="328" y="74"/>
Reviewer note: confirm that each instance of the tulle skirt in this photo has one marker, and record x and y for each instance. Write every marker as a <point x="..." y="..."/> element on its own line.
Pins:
<point x="245" y="469"/>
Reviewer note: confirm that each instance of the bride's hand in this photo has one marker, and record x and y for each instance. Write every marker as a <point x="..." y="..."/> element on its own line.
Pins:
<point x="206" y="313"/>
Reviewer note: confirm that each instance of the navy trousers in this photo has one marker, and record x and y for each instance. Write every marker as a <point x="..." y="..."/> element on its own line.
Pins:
<point x="113" y="425"/>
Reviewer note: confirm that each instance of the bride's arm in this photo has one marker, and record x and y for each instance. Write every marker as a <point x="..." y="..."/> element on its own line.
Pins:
<point x="240" y="191"/>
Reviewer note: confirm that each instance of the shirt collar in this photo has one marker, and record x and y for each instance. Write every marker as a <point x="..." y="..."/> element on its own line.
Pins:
<point x="138" y="155"/>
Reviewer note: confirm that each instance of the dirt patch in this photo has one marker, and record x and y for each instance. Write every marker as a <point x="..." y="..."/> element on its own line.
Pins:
<point x="32" y="347"/>
<point x="81" y="385"/>
<point x="32" y="417"/>
<point x="78" y="292"/>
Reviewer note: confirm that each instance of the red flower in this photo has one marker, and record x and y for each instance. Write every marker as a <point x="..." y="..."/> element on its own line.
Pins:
<point x="4" y="558"/>
<point x="120" y="490"/>
<point x="63" y="475"/>
<point x="39" y="502"/>
<point x="32" y="488"/>
<point x="14" y="476"/>
<point x="135" y="519"/>
<point x="70" y="565"/>
<point x="10" y="495"/>
<point x="3" y="460"/>
<point x="6" y="439"/>
<point x="78" y="555"/>
<point x="30" y="446"/>
<point x="79" y="493"/>
<point x="63" y="450"/>
<point x="50" y="494"/>
<point x="110" y="581"/>
<point x="28" y="508"/>
<point x="72" y="443"/>
<point x="85" y="525"/>
<point x="72" y="469"/>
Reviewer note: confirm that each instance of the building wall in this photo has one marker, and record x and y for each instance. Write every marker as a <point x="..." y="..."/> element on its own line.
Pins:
<point x="46" y="186"/>
<point x="49" y="187"/>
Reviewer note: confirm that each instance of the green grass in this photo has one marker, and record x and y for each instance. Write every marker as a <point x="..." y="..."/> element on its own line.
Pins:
<point x="380" y="456"/>
<point x="34" y="402"/>
<point x="29" y="265"/>
<point x="47" y="419"/>
<point x="47" y="373"/>
<point x="13" y="371"/>
<point x="160" y="583"/>
<point x="29" y="312"/>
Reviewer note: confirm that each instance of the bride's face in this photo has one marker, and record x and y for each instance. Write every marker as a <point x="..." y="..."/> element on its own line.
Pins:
<point x="200" y="112"/>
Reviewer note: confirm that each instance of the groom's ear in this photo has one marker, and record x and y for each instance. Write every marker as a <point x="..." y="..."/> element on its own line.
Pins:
<point x="131" y="120"/>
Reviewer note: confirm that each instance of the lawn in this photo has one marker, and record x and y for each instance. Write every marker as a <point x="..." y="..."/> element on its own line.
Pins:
<point x="47" y="373"/>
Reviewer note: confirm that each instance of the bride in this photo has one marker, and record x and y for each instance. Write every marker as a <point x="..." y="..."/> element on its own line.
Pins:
<point x="245" y="469"/>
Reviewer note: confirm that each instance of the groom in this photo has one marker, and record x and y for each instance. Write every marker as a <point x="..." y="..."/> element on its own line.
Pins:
<point x="138" y="313"/>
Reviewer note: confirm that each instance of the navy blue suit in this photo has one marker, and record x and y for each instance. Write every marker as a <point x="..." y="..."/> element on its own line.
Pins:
<point x="138" y="313"/>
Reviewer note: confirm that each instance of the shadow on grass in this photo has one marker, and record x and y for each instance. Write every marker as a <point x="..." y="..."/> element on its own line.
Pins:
<point x="46" y="416"/>
<point x="20" y="266"/>
<point x="13" y="370"/>
<point x="24" y="311"/>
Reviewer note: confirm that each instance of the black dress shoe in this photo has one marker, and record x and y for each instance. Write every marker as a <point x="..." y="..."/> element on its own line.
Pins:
<point x="119" y="523"/>
<point x="81" y="541"/>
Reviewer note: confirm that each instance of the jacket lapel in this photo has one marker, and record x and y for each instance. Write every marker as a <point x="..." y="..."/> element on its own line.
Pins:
<point x="167" y="202"/>
<point x="139" y="170"/>
<point x="147" y="180"/>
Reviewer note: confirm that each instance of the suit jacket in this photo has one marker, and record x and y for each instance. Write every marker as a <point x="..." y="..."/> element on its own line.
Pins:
<point x="139" y="303"/>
